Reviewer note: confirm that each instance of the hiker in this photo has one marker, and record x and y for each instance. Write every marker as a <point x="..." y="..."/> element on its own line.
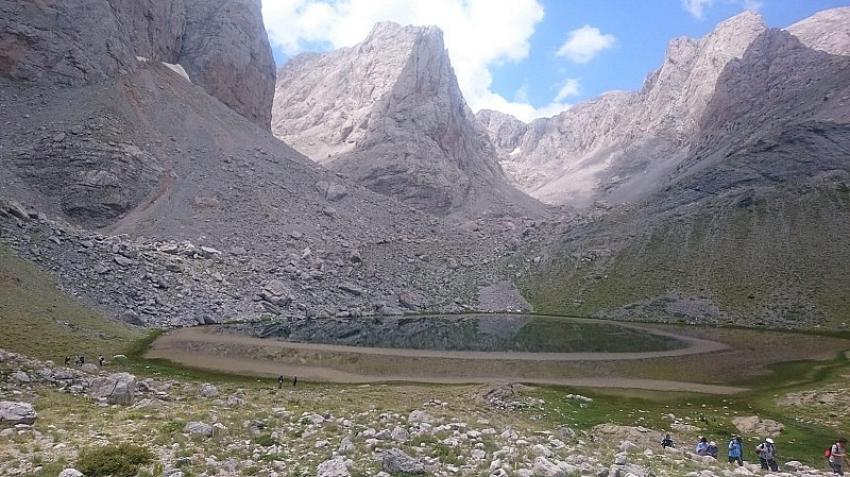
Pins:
<point x="736" y="451"/>
<point x="667" y="442"/>
<point x="82" y="360"/>
<point x="280" y="380"/>
<point x="837" y="456"/>
<point x="702" y="447"/>
<point x="100" y="360"/>
<point x="67" y="361"/>
<point x="294" y="381"/>
<point x="712" y="449"/>
<point x="767" y="455"/>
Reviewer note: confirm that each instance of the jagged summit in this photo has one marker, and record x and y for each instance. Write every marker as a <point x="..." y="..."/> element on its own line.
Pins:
<point x="323" y="100"/>
<point x="389" y="113"/>
<point x="827" y="30"/>
<point x="617" y="146"/>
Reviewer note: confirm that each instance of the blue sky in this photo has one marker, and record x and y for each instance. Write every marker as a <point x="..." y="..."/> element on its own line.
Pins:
<point x="641" y="38"/>
<point x="506" y="52"/>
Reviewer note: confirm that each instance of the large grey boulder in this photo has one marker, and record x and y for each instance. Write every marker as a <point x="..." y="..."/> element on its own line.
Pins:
<point x="543" y="467"/>
<point x="13" y="413"/>
<point x="333" y="468"/>
<point x="754" y="425"/>
<point x="419" y="416"/>
<point x="118" y="388"/>
<point x="395" y="461"/>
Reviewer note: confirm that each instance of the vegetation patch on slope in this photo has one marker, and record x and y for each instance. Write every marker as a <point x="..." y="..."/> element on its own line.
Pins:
<point x="779" y="261"/>
<point x="40" y="320"/>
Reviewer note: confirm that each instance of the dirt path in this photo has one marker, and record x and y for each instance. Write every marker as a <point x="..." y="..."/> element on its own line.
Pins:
<point x="204" y="348"/>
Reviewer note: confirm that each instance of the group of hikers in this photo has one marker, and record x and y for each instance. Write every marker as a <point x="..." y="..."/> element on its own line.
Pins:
<point x="836" y="454"/>
<point x="80" y="360"/>
<point x="281" y="379"/>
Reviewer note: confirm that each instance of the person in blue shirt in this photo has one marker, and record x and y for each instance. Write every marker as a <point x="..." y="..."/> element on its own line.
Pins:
<point x="702" y="446"/>
<point x="736" y="451"/>
<point x="712" y="449"/>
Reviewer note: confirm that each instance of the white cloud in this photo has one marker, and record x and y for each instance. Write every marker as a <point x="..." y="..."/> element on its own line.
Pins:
<point x="584" y="43"/>
<point x="697" y="7"/>
<point x="553" y="109"/>
<point x="571" y="87"/>
<point x="479" y="34"/>
<point x="521" y="95"/>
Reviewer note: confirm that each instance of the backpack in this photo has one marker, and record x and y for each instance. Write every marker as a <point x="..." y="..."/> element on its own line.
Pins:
<point x="827" y="453"/>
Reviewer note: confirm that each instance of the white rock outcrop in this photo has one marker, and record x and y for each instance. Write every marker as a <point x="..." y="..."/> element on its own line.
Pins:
<point x="388" y="113"/>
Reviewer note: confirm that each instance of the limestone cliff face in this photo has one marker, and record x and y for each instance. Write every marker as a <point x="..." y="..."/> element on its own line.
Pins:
<point x="388" y="112"/>
<point x="616" y="147"/>
<point x="226" y="50"/>
<point x="221" y="44"/>
<point x="827" y="31"/>
<point x="505" y="131"/>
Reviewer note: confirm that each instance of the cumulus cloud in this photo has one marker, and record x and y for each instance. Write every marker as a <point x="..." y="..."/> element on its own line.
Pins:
<point x="479" y="34"/>
<point x="584" y="43"/>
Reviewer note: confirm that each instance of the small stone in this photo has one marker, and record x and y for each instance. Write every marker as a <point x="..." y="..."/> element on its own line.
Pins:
<point x="208" y="390"/>
<point x="199" y="429"/>
<point x="400" y="434"/>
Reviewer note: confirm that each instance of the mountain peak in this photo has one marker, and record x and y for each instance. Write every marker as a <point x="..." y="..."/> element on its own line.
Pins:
<point x="389" y="114"/>
<point x="388" y="28"/>
<point x="828" y="30"/>
<point x="745" y="19"/>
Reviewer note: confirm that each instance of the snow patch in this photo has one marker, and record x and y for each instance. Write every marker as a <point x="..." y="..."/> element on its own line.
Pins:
<point x="177" y="69"/>
<point x="515" y="152"/>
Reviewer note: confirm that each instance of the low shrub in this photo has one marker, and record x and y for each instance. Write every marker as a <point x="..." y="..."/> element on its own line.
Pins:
<point x="122" y="460"/>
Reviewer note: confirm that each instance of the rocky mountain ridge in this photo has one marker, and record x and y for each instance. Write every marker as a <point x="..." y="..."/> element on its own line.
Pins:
<point x="389" y="114"/>
<point x="825" y="30"/>
<point x="615" y="147"/>
<point x="175" y="165"/>
<point x="746" y="221"/>
<point x="221" y="45"/>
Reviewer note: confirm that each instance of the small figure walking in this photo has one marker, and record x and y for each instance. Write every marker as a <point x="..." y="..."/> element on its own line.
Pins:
<point x="67" y="361"/>
<point x="736" y="451"/>
<point x="701" y="448"/>
<point x="767" y="455"/>
<point x="100" y="360"/>
<point x="294" y="381"/>
<point x="837" y="456"/>
<point x="280" y="380"/>
<point x="667" y="442"/>
<point x="712" y="450"/>
<point x="82" y="360"/>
